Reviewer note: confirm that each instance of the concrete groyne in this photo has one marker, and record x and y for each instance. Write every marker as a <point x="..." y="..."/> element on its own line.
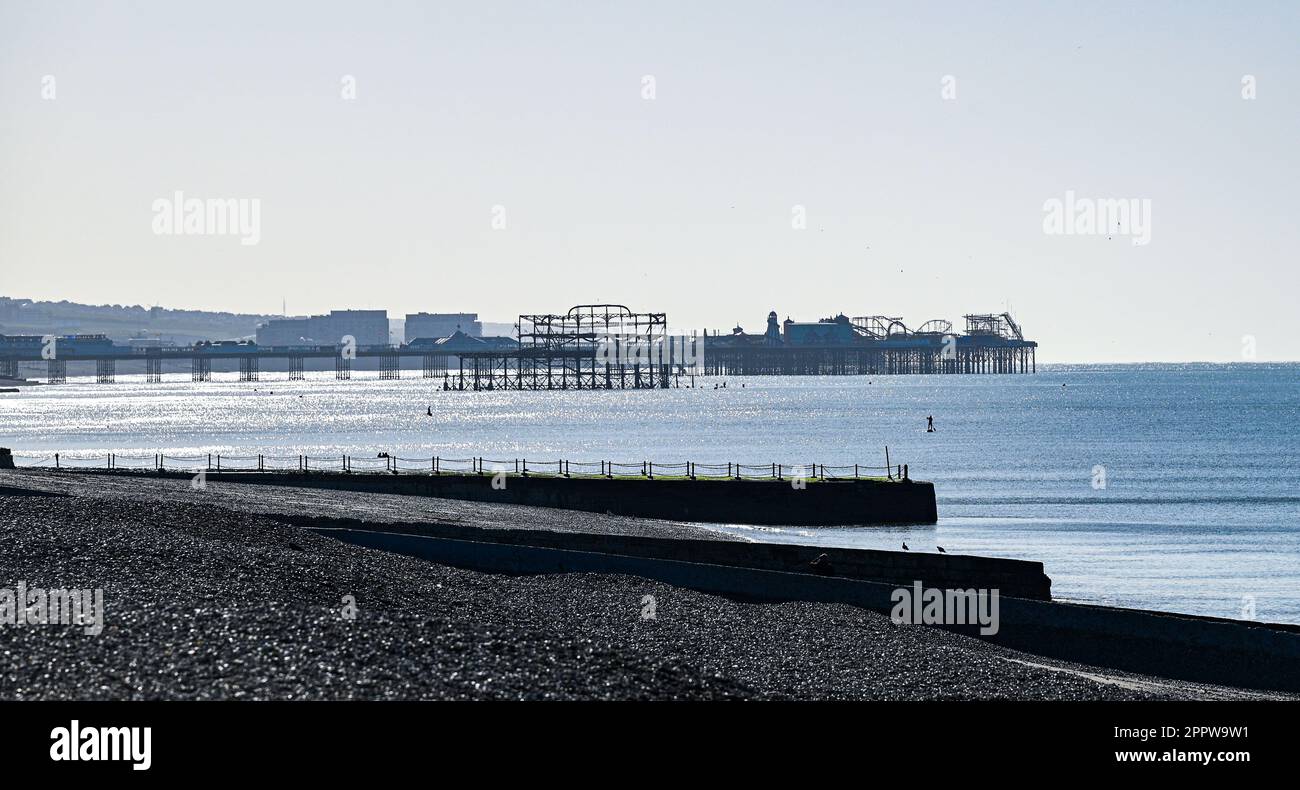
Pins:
<point x="1020" y="578"/>
<point x="838" y="502"/>
<point x="1186" y="647"/>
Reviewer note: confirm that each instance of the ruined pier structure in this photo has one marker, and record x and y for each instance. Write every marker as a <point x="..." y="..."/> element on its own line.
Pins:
<point x="584" y="349"/>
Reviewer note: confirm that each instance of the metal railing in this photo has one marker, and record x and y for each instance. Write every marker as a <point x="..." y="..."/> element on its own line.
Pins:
<point x="387" y="463"/>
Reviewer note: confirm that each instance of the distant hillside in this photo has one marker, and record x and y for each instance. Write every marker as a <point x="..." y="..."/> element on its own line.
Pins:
<point x="121" y="322"/>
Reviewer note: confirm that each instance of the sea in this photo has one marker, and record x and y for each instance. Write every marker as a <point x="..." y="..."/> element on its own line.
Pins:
<point x="1172" y="487"/>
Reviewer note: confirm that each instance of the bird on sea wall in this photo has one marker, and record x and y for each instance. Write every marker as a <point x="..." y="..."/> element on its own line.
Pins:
<point x="822" y="565"/>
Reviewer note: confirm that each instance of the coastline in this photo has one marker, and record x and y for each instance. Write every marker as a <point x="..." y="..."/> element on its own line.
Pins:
<point x="228" y="599"/>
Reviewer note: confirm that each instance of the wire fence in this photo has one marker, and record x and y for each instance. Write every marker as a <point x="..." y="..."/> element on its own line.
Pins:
<point x="386" y="463"/>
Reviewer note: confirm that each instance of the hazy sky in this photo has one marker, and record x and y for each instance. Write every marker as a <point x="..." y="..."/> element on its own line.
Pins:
<point x="917" y="205"/>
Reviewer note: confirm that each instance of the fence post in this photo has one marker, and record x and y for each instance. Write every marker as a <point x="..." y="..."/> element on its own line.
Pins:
<point x="525" y="467"/>
<point x="651" y="473"/>
<point x="855" y="471"/>
<point x="56" y="460"/>
<point x="889" y="471"/>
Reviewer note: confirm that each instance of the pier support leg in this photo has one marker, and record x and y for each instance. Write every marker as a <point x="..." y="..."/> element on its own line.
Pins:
<point x="248" y="368"/>
<point x="57" y="370"/>
<point x="105" y="371"/>
<point x="200" y="369"/>
<point x="342" y="368"/>
<point x="390" y="366"/>
<point x="153" y="369"/>
<point x="295" y="368"/>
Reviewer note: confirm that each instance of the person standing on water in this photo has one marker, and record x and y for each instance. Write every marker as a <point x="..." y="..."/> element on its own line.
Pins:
<point x="929" y="424"/>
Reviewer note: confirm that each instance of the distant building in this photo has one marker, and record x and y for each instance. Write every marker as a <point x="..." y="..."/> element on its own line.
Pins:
<point x="433" y="325"/>
<point x="286" y="332"/>
<point x="458" y="342"/>
<point x="368" y="327"/>
<point x="837" y="331"/>
<point x="145" y="341"/>
<point x="772" y="337"/>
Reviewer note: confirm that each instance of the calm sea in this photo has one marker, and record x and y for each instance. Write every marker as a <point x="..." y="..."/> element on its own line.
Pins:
<point x="1198" y="511"/>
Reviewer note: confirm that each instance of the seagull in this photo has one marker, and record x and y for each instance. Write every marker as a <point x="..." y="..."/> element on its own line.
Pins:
<point x="905" y="548"/>
<point x="941" y="551"/>
<point x="429" y="411"/>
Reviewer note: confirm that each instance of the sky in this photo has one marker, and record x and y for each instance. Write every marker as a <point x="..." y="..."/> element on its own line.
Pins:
<point x="710" y="160"/>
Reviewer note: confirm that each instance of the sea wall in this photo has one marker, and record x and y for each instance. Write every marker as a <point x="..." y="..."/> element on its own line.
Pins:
<point x="1020" y="578"/>
<point x="774" y="502"/>
<point x="1200" y="649"/>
